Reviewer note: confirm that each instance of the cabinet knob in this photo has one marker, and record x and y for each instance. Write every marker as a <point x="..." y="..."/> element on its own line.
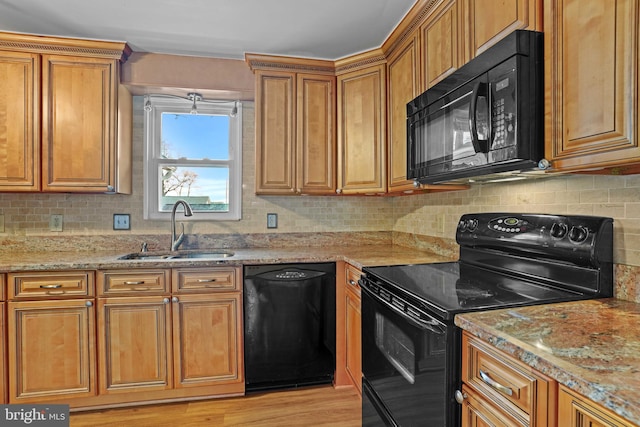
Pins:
<point x="460" y="396"/>
<point x="165" y="300"/>
<point x="339" y="191"/>
<point x="89" y="303"/>
<point x="174" y="299"/>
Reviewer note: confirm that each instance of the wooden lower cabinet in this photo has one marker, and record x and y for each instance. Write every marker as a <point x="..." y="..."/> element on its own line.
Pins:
<point x="575" y="410"/>
<point x="3" y="354"/>
<point x="207" y="339"/>
<point x="478" y="412"/>
<point x="179" y="344"/>
<point x="51" y="350"/>
<point x="353" y="328"/>
<point x="499" y="390"/>
<point x="135" y="342"/>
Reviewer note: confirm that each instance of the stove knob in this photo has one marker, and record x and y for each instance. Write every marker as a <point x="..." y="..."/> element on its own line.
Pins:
<point x="472" y="224"/>
<point x="462" y="225"/>
<point x="578" y="234"/>
<point x="558" y="230"/>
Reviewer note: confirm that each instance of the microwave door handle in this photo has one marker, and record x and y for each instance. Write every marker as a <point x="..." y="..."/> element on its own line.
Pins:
<point x="473" y="125"/>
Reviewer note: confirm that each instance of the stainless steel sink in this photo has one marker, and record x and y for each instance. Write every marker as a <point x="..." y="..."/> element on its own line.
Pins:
<point x="195" y="254"/>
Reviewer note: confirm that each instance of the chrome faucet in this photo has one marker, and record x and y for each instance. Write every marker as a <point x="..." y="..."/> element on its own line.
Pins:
<point x="176" y="242"/>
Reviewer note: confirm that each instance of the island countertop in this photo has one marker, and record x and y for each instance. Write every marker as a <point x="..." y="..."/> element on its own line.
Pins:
<point x="592" y="346"/>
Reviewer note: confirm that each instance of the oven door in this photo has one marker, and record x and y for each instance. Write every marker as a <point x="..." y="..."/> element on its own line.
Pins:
<point x="407" y="378"/>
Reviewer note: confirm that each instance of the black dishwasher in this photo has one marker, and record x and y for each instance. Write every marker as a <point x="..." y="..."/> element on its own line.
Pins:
<point x="289" y="325"/>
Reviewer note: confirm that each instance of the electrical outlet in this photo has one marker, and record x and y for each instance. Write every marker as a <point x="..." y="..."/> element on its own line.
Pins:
<point x="272" y="220"/>
<point x="440" y="223"/>
<point x="55" y="222"/>
<point x="121" y="222"/>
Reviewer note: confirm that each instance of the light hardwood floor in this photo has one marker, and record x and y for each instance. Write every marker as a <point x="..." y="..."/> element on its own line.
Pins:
<point x="314" y="406"/>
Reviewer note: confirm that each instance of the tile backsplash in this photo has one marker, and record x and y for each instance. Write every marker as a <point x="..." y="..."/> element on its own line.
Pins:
<point x="26" y="216"/>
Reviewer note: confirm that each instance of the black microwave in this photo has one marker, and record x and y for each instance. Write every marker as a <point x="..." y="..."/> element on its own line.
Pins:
<point x="485" y="118"/>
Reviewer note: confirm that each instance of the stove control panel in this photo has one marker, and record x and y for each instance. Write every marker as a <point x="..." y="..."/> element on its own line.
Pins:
<point x="573" y="237"/>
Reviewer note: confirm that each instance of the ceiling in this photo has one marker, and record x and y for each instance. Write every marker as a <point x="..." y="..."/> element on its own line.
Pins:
<point x="325" y="29"/>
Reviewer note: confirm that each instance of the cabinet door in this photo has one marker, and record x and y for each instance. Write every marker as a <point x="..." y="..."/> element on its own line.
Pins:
<point x="275" y="132"/>
<point x="316" y="134"/>
<point x="403" y="77"/>
<point x="442" y="47"/>
<point x="207" y="339"/>
<point x="51" y="350"/>
<point x="362" y="160"/>
<point x="575" y="410"/>
<point x="135" y="338"/>
<point x="353" y="334"/>
<point x="491" y="20"/>
<point x="592" y="83"/>
<point x="19" y="121"/>
<point x="79" y="131"/>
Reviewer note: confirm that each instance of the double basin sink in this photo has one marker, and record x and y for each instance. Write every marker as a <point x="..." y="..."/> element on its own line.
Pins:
<point x="214" y="254"/>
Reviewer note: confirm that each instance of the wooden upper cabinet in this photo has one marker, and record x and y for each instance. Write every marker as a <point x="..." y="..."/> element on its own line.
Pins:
<point x="316" y="134"/>
<point x="491" y="20"/>
<point x="442" y="42"/>
<point x="64" y="117"/>
<point x="78" y="125"/>
<point x="591" y="79"/>
<point x="19" y="121"/>
<point x="403" y="85"/>
<point x="362" y="159"/>
<point x="275" y="132"/>
<point x="295" y="125"/>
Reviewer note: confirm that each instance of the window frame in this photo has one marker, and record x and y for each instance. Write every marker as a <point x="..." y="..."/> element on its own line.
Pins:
<point x="160" y="104"/>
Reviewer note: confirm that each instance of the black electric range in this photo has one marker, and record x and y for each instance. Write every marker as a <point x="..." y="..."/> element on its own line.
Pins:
<point x="410" y="346"/>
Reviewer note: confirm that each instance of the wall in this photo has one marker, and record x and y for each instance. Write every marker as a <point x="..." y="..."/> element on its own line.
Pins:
<point x="614" y="196"/>
<point x="27" y="215"/>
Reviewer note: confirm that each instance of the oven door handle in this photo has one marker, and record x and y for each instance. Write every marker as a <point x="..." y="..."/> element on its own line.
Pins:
<point x="432" y="324"/>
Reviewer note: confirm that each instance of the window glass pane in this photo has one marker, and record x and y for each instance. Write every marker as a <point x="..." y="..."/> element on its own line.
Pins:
<point x="204" y="188"/>
<point x="195" y="136"/>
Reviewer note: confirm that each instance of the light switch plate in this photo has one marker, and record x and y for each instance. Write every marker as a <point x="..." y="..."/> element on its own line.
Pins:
<point x="121" y="222"/>
<point x="272" y="220"/>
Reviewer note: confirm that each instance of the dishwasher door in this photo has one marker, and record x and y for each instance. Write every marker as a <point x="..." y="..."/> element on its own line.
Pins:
<point x="289" y="326"/>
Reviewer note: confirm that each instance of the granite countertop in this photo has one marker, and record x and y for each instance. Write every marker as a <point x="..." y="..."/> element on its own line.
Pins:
<point x="357" y="255"/>
<point x="592" y="347"/>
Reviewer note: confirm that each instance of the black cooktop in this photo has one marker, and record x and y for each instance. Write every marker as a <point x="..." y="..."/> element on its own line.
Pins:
<point x="453" y="287"/>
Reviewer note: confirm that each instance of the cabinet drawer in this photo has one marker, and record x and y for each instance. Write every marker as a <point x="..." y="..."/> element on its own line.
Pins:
<point x="504" y="381"/>
<point x="211" y="279"/>
<point x="50" y="284"/>
<point x="127" y="282"/>
<point x="352" y="276"/>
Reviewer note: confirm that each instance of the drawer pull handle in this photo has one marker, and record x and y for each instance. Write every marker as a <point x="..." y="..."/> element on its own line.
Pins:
<point x="56" y="286"/>
<point x="352" y="282"/>
<point x="140" y="282"/>
<point x="487" y="379"/>
<point x="206" y="280"/>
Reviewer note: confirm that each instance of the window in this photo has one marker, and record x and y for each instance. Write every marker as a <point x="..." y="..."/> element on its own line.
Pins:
<point x="193" y="154"/>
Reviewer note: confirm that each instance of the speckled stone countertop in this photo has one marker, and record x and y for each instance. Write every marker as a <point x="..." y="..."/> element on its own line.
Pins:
<point x="359" y="256"/>
<point x="592" y="347"/>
